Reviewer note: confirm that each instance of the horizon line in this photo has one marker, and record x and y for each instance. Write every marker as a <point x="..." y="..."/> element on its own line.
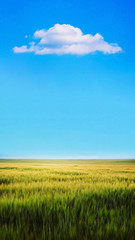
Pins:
<point x="69" y="158"/>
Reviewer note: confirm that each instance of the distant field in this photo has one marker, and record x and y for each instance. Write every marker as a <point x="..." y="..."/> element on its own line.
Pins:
<point x="70" y="161"/>
<point x="67" y="199"/>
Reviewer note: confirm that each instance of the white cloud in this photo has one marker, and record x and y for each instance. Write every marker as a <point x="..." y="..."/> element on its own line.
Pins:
<point x="66" y="39"/>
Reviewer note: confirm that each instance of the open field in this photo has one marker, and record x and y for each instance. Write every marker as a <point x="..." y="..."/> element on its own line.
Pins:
<point x="69" y="199"/>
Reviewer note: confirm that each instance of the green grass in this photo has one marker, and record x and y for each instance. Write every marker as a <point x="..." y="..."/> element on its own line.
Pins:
<point x="75" y="199"/>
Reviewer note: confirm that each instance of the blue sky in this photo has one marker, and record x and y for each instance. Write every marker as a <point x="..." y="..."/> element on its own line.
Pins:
<point x="67" y="105"/>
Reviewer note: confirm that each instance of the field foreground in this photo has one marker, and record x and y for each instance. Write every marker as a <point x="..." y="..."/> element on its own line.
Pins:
<point x="67" y="200"/>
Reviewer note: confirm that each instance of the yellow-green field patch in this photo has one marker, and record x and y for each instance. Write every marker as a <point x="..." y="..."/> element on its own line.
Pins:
<point x="70" y="200"/>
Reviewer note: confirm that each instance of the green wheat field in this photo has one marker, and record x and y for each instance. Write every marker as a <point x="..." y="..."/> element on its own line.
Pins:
<point x="67" y="199"/>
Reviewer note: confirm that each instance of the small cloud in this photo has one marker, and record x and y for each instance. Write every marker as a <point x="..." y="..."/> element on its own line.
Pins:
<point x="22" y="49"/>
<point x="26" y="36"/>
<point x="32" y="43"/>
<point x="66" y="39"/>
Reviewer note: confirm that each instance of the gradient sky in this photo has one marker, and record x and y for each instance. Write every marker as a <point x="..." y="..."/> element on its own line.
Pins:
<point x="57" y="106"/>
